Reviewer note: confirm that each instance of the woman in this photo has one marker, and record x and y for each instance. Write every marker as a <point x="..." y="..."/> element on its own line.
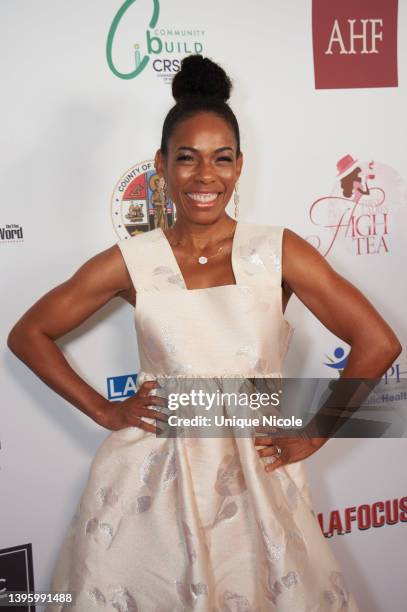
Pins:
<point x="205" y="524"/>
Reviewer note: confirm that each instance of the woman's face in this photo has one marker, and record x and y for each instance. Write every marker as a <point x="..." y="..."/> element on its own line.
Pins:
<point x="201" y="167"/>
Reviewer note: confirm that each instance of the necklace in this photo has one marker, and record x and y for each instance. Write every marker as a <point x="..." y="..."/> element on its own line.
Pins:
<point x="203" y="259"/>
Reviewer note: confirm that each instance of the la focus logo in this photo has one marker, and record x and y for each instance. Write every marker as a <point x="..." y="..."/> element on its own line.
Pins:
<point x="365" y="516"/>
<point x="357" y="214"/>
<point x="160" y="47"/>
<point x="355" y="43"/>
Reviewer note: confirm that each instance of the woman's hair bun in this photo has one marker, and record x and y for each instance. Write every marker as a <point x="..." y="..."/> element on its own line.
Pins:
<point x="201" y="77"/>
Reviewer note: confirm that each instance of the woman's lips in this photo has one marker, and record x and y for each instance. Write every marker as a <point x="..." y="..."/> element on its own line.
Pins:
<point x="203" y="200"/>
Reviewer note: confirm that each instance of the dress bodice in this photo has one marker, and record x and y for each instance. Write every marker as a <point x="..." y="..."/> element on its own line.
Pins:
<point x="230" y="330"/>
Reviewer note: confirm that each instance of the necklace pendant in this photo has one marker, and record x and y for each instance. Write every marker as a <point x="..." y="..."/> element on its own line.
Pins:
<point x="203" y="260"/>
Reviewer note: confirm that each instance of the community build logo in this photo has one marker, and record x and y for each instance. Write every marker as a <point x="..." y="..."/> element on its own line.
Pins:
<point x="130" y="48"/>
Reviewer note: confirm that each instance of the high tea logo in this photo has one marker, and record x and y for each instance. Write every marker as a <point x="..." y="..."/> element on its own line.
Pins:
<point x="129" y="49"/>
<point x="358" y="213"/>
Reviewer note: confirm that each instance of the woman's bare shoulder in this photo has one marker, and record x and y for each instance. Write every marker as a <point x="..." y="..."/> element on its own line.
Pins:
<point x="111" y="264"/>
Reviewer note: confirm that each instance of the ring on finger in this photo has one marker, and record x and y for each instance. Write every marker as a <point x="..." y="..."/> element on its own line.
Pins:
<point x="279" y="451"/>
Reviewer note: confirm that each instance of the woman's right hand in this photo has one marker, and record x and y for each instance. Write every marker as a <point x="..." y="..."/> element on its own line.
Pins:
<point x="129" y="413"/>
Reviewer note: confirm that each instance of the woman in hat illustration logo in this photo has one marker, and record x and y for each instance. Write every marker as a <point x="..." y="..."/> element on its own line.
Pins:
<point x="342" y="221"/>
<point x="349" y="176"/>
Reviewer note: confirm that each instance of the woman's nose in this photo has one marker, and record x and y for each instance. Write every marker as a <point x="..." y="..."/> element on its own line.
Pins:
<point x="205" y="172"/>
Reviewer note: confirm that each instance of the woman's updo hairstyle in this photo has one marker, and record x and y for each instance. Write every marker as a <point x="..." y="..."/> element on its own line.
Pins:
<point x="199" y="86"/>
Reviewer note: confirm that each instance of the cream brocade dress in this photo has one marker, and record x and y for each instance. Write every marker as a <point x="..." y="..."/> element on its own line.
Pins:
<point x="178" y="524"/>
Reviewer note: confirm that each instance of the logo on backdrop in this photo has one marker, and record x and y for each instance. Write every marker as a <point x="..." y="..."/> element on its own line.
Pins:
<point x="358" y="213"/>
<point x="121" y="387"/>
<point x="11" y="232"/>
<point x="392" y="392"/>
<point x="355" y="43"/>
<point x="138" y="203"/>
<point x="338" y="361"/>
<point x="16" y="572"/>
<point x="159" y="47"/>
<point x="363" y="517"/>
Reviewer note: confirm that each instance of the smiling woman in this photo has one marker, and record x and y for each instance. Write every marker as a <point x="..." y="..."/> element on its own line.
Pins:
<point x="201" y="161"/>
<point x="201" y="172"/>
<point x="155" y="524"/>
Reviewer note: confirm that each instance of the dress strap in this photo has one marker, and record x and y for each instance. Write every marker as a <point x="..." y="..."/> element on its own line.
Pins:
<point x="148" y="263"/>
<point x="259" y="254"/>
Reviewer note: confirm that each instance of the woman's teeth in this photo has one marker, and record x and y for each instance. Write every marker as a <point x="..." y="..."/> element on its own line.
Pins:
<point x="203" y="197"/>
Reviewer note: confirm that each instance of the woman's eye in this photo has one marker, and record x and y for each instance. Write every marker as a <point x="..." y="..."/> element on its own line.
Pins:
<point x="225" y="158"/>
<point x="184" y="158"/>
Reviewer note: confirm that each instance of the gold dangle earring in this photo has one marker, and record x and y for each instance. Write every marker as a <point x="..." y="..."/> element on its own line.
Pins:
<point x="236" y="200"/>
<point x="160" y="208"/>
<point x="162" y="189"/>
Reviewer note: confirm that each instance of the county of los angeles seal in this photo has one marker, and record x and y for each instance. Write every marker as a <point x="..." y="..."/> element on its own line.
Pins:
<point x="138" y="203"/>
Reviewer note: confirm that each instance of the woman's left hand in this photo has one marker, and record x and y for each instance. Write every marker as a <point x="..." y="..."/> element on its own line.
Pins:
<point x="292" y="449"/>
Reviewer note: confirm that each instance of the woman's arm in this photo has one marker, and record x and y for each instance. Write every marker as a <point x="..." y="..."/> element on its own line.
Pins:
<point x="357" y="185"/>
<point x="32" y="339"/>
<point x="341" y="307"/>
<point x="347" y="313"/>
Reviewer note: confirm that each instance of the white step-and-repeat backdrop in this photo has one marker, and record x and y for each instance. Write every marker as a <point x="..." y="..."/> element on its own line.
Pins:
<point x="320" y="94"/>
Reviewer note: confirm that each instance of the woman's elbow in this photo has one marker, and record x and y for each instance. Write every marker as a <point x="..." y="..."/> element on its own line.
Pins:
<point x="380" y="348"/>
<point x="13" y="340"/>
<point x="18" y="338"/>
<point x="396" y="348"/>
<point x="390" y="347"/>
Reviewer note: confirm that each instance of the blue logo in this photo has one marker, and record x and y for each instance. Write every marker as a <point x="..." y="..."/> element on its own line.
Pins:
<point x="121" y="387"/>
<point x="339" y="360"/>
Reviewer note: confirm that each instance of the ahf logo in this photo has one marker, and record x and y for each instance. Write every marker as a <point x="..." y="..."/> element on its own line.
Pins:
<point x="355" y="43"/>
